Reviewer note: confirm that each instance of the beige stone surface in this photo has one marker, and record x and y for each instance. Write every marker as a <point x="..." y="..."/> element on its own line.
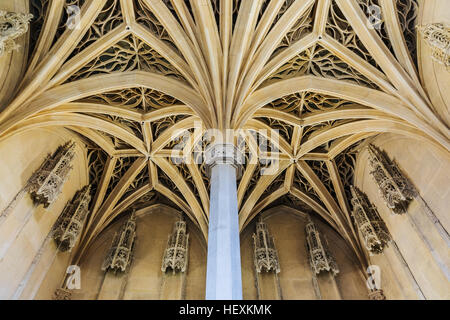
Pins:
<point x="13" y="65"/>
<point x="145" y="280"/>
<point x="287" y="226"/>
<point x="429" y="170"/>
<point x="227" y="75"/>
<point x="23" y="232"/>
<point x="436" y="77"/>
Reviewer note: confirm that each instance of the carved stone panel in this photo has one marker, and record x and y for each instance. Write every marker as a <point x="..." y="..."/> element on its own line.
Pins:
<point x="62" y="294"/>
<point x="396" y="190"/>
<point x="377" y="295"/>
<point x="71" y="221"/>
<point x="265" y="252"/>
<point x="46" y="183"/>
<point x="119" y="255"/>
<point x="176" y="253"/>
<point x="373" y="230"/>
<point x="320" y="257"/>
<point x="12" y="26"/>
<point x="437" y="37"/>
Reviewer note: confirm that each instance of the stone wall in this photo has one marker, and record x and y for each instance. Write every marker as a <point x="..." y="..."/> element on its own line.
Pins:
<point x="425" y="252"/>
<point x="25" y="257"/>
<point x="145" y="280"/>
<point x="13" y="64"/>
<point x="295" y="280"/>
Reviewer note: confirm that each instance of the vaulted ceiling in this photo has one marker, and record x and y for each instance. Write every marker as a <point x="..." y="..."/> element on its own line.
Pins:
<point x="326" y="73"/>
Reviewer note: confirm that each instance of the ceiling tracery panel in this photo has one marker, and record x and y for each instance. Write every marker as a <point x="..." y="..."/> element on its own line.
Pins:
<point x="128" y="54"/>
<point x="141" y="180"/>
<point x="184" y="62"/>
<point x="122" y="165"/>
<point x="301" y="28"/>
<point x="38" y="8"/>
<point x="107" y="19"/>
<point x="346" y="162"/>
<point x="97" y="160"/>
<point x="321" y="170"/>
<point x="320" y="62"/>
<point x="161" y="125"/>
<point x="277" y="184"/>
<point x="340" y="29"/>
<point x="148" y="19"/>
<point x="302" y="184"/>
<point x="142" y="99"/>
<point x="408" y="11"/>
<point x="372" y="8"/>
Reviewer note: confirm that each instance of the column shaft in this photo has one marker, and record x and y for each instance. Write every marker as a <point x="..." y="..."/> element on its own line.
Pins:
<point x="223" y="276"/>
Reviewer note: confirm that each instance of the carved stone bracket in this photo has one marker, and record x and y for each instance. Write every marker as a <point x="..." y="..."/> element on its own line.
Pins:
<point x="62" y="294"/>
<point x="437" y="37"/>
<point x="12" y="26"/>
<point x="265" y="252"/>
<point x="176" y="253"/>
<point x="119" y="255"/>
<point x="46" y="183"/>
<point x="320" y="257"/>
<point x="373" y="230"/>
<point x="377" y="295"/>
<point x="396" y="190"/>
<point x="71" y="221"/>
<point x="224" y="153"/>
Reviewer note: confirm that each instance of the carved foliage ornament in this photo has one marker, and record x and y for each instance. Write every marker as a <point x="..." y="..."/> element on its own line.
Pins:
<point x="437" y="36"/>
<point x="265" y="252"/>
<point x="320" y="257"/>
<point x="396" y="190"/>
<point x="70" y="223"/>
<point x="176" y="253"/>
<point x="373" y="230"/>
<point x="62" y="294"/>
<point x="12" y="26"/>
<point x="46" y="183"/>
<point x="119" y="255"/>
<point x="377" y="295"/>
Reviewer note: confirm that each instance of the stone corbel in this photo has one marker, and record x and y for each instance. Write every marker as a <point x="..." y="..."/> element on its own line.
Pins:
<point x="265" y="252"/>
<point x="320" y="258"/>
<point x="119" y="255"/>
<point x="12" y="26"/>
<point x="437" y="37"/>
<point x="70" y="224"/>
<point x="176" y="253"/>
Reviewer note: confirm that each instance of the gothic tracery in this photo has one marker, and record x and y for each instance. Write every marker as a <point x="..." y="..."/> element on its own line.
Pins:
<point x="136" y="74"/>
<point x="120" y="253"/>
<point x="265" y="252"/>
<point x="437" y="36"/>
<point x="396" y="190"/>
<point x="320" y="257"/>
<point x="176" y="253"/>
<point x="46" y="183"/>
<point x="12" y="26"/>
<point x="71" y="221"/>
<point x="372" y="228"/>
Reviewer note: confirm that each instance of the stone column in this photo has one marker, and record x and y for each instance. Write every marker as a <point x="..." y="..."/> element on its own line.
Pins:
<point x="223" y="275"/>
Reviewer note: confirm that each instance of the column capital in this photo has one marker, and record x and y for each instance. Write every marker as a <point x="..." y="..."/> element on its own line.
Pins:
<point x="224" y="153"/>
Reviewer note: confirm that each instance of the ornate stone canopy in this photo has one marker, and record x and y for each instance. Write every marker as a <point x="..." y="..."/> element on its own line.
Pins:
<point x="327" y="74"/>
